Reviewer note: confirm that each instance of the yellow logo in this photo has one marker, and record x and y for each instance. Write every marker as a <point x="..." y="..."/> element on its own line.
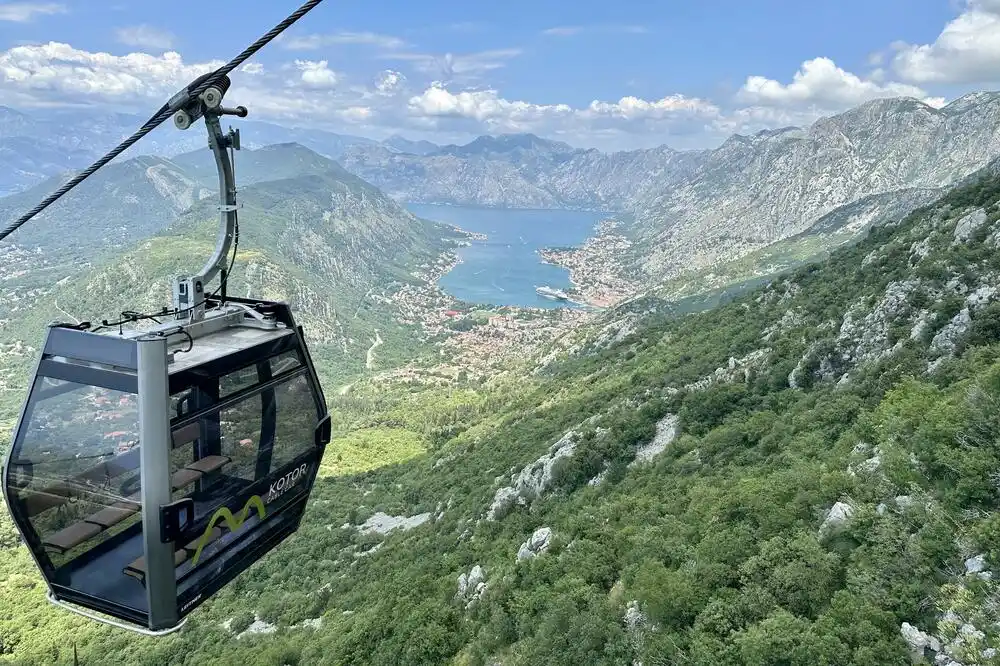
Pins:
<point x="232" y="522"/>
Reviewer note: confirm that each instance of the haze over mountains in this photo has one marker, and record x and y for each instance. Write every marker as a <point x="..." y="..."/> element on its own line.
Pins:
<point x="694" y="209"/>
<point x="686" y="210"/>
<point x="47" y="142"/>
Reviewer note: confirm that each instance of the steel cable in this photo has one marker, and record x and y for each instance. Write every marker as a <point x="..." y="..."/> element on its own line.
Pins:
<point x="176" y="102"/>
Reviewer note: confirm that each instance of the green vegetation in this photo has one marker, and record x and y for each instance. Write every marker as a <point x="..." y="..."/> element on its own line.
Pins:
<point x="716" y="551"/>
<point x="364" y="450"/>
<point x="769" y="261"/>
<point x="330" y="245"/>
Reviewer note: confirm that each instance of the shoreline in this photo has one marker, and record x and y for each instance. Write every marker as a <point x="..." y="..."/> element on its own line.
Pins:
<point x="594" y="268"/>
<point x="472" y="340"/>
<point x="594" y="272"/>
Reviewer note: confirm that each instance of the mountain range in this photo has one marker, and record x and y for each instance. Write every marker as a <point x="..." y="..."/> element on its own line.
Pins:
<point x="520" y="171"/>
<point x="311" y="234"/>
<point x="753" y="191"/>
<point x="694" y="210"/>
<point x="48" y="142"/>
<point x="803" y="476"/>
<point x="789" y="193"/>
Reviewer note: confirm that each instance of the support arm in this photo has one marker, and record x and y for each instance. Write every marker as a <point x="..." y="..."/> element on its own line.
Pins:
<point x="227" y="200"/>
<point x="189" y="292"/>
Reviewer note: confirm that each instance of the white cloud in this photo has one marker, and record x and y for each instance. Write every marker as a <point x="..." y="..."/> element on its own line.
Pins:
<point x="356" y="114"/>
<point x="144" y="36"/>
<point x="312" y="42"/>
<point x="563" y="31"/>
<point x="631" y="108"/>
<point x="309" y="92"/>
<point x="821" y="83"/>
<point x="21" y="12"/>
<point x="317" y="73"/>
<point x="494" y="113"/>
<point x="457" y="68"/>
<point x="56" y="72"/>
<point x="966" y="51"/>
<point x="570" y="30"/>
<point x="481" y="105"/>
<point x="389" y="82"/>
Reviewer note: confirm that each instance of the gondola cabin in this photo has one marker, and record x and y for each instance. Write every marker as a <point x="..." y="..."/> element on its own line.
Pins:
<point x="148" y="469"/>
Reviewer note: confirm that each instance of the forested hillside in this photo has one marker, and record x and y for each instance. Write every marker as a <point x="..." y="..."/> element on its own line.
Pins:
<point x="326" y="242"/>
<point x="805" y="475"/>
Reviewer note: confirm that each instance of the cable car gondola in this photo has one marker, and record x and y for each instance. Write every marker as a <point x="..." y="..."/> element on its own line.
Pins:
<point x="150" y="466"/>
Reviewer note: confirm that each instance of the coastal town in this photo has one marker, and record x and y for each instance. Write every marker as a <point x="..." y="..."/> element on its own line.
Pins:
<point x="595" y="268"/>
<point x="473" y="340"/>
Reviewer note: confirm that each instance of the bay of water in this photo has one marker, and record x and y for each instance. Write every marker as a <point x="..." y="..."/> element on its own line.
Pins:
<point x="506" y="268"/>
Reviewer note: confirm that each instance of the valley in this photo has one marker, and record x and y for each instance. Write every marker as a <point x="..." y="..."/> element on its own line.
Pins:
<point x="767" y="434"/>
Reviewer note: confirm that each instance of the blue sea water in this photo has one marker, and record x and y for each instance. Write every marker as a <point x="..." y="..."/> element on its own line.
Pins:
<point x="506" y="268"/>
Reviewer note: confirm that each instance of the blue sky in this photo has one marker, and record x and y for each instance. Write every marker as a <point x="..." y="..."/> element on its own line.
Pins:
<point x="609" y="74"/>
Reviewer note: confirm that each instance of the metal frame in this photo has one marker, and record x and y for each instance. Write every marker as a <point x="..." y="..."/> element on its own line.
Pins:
<point x="44" y="567"/>
<point x="189" y="292"/>
<point x="154" y="466"/>
<point x="166" y="603"/>
<point x="114" y="623"/>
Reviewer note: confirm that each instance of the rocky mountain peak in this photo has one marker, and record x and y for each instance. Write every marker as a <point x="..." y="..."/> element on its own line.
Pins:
<point x="508" y="143"/>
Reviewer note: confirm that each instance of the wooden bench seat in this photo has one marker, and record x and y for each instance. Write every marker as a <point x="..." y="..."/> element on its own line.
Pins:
<point x="47" y="498"/>
<point x="137" y="569"/>
<point x="114" y="514"/>
<point x="184" y="477"/>
<point x="186" y="435"/>
<point x="58" y="493"/>
<point x="209" y="464"/>
<point x="191" y="473"/>
<point x="72" y="536"/>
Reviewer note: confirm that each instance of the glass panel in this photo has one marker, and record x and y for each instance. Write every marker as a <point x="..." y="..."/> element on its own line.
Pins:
<point x="75" y="469"/>
<point x="222" y="460"/>
<point x="241" y="427"/>
<point x="295" y="431"/>
<point x="255" y="438"/>
<point x="248" y="376"/>
<point x="284" y="362"/>
<point x="179" y="404"/>
<point x="238" y="380"/>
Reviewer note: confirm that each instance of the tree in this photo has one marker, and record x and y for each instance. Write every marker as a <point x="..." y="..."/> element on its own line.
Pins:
<point x="800" y="574"/>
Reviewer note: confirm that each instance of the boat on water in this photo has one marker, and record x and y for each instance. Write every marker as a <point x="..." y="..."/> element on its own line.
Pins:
<point x="551" y="293"/>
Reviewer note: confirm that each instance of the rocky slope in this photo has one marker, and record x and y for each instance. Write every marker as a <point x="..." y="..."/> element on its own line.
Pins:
<point x="520" y="171"/>
<point x="756" y="190"/>
<point x="805" y="476"/>
<point x="118" y="205"/>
